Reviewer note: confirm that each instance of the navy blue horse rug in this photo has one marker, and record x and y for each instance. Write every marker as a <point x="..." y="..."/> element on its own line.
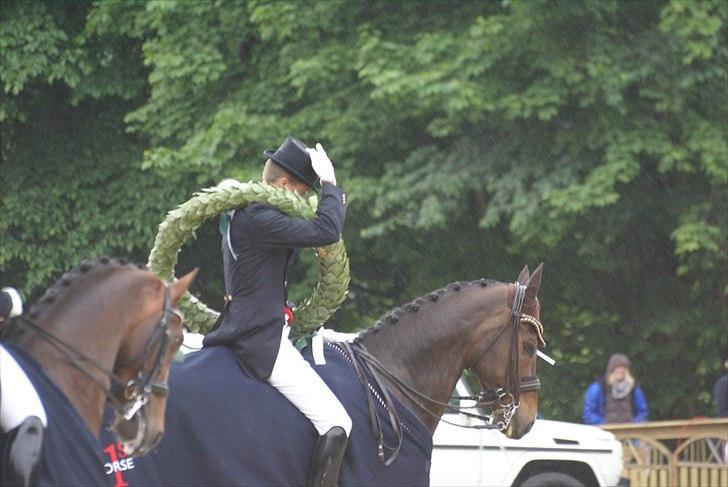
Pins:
<point x="223" y="428"/>
<point x="69" y="455"/>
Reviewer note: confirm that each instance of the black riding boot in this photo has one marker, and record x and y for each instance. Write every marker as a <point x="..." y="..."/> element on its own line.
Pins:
<point x="327" y="456"/>
<point x="21" y="458"/>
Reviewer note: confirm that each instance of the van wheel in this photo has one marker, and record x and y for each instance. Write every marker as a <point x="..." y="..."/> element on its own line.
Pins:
<point x="551" y="479"/>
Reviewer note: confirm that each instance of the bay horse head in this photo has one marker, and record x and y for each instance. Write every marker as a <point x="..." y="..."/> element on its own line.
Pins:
<point x="143" y="366"/>
<point x="107" y="331"/>
<point x="491" y="328"/>
<point x="506" y="365"/>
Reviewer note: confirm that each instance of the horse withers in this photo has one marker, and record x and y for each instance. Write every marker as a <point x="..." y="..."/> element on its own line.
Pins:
<point x="106" y="331"/>
<point x="395" y="381"/>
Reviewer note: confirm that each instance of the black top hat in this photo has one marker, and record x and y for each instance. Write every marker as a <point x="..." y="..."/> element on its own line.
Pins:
<point x="292" y="157"/>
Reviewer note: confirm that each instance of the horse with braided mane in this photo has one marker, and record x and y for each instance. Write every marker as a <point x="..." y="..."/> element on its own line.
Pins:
<point x="106" y="331"/>
<point x="395" y="380"/>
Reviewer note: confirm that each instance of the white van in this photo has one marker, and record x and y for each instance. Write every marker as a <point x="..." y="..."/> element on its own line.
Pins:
<point x="553" y="453"/>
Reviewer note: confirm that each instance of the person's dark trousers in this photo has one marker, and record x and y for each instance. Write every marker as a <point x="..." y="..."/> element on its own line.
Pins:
<point x="327" y="456"/>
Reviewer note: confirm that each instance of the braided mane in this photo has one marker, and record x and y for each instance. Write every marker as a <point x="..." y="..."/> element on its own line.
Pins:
<point x="66" y="281"/>
<point x="414" y="306"/>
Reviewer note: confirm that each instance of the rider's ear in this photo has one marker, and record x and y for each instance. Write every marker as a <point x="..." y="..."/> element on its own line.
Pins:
<point x="523" y="276"/>
<point x="534" y="282"/>
<point x="180" y="287"/>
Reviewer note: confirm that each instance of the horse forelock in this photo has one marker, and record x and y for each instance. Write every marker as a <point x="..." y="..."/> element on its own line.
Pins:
<point x="85" y="273"/>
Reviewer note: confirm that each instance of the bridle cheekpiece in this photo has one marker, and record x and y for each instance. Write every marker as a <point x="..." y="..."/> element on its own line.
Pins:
<point x="136" y="391"/>
<point x="506" y="399"/>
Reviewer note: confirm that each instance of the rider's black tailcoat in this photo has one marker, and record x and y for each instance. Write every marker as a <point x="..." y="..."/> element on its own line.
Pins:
<point x="264" y="242"/>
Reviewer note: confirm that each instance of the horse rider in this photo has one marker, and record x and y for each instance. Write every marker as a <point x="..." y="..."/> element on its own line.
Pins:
<point x="258" y="246"/>
<point x="10" y="304"/>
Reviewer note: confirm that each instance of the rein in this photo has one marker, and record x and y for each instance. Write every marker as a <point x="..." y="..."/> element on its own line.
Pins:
<point x="137" y="390"/>
<point x="505" y="398"/>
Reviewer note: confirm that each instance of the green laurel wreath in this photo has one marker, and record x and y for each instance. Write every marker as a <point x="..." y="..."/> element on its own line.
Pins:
<point x="181" y="223"/>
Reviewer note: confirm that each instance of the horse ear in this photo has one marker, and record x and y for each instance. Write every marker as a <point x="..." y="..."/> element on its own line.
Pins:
<point x="523" y="276"/>
<point x="534" y="282"/>
<point x="183" y="283"/>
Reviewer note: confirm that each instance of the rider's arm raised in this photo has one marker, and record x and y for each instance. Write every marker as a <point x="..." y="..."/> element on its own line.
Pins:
<point x="270" y="228"/>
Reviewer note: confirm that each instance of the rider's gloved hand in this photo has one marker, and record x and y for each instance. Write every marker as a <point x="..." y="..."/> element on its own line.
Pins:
<point x="322" y="165"/>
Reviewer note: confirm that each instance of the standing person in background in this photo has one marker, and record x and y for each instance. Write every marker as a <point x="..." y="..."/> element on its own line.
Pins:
<point x="720" y="392"/>
<point x="10" y="304"/>
<point x="615" y="398"/>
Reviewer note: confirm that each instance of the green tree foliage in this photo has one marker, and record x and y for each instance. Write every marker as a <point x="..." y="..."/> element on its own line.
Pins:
<point x="472" y="137"/>
<point x="72" y="186"/>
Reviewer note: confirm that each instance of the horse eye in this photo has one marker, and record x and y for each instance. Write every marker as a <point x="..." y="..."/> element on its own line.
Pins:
<point x="529" y="348"/>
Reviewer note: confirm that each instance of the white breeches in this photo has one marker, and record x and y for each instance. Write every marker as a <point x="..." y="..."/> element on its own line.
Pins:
<point x="294" y="377"/>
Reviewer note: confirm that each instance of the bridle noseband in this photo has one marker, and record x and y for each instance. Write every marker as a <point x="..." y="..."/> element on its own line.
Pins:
<point x="136" y="391"/>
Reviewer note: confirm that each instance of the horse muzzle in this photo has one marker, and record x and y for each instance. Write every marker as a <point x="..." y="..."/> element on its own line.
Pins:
<point x="135" y="434"/>
<point x="514" y="432"/>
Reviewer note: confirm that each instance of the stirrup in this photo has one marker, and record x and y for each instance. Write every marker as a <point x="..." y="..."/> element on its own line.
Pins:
<point x="22" y="453"/>
<point x="327" y="456"/>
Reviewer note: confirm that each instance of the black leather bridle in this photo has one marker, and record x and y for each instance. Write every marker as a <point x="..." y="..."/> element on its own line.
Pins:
<point x="136" y="391"/>
<point x="507" y="398"/>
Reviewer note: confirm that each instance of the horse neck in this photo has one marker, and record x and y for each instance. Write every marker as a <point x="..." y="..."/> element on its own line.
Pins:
<point x="426" y="349"/>
<point x="90" y="319"/>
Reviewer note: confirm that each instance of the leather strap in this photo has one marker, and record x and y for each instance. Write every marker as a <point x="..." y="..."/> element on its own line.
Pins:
<point x="395" y="422"/>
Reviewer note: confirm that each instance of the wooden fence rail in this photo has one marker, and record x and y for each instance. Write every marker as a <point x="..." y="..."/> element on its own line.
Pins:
<point x="683" y="453"/>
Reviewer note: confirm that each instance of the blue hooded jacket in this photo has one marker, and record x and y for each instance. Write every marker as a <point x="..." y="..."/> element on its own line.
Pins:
<point x="594" y="404"/>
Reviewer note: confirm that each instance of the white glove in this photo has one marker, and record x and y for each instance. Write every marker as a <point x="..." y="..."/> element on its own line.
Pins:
<point x="321" y="164"/>
<point x="17" y="306"/>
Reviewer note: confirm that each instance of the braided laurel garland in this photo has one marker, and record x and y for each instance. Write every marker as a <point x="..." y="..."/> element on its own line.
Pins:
<point x="181" y="223"/>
